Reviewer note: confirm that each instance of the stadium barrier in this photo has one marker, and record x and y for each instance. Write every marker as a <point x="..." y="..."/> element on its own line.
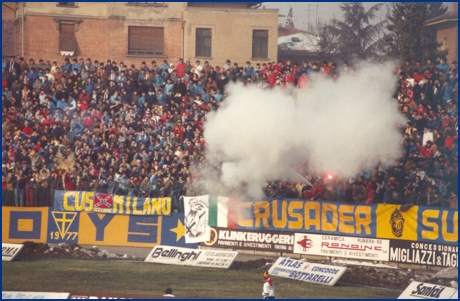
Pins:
<point x="416" y="235"/>
<point x="45" y="225"/>
<point x="380" y="221"/>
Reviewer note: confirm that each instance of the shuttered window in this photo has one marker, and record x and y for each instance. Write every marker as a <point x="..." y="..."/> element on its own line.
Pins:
<point x="66" y="37"/>
<point x="203" y="42"/>
<point x="145" y="40"/>
<point x="260" y="44"/>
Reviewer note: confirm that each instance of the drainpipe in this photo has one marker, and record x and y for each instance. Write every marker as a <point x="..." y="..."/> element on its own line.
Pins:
<point x="22" y="46"/>
<point x="182" y="21"/>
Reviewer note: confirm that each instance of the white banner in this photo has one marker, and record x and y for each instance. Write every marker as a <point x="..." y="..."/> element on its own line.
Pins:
<point x="421" y="290"/>
<point x="191" y="257"/>
<point x="307" y="271"/>
<point x="342" y="246"/>
<point x="34" y="295"/>
<point x="196" y="211"/>
<point x="9" y="251"/>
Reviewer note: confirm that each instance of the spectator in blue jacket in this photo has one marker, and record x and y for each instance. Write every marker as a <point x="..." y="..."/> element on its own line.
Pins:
<point x="161" y="97"/>
<point x="89" y="85"/>
<point x="248" y="70"/>
<point x="76" y="65"/>
<point x="444" y="66"/>
<point x="32" y="75"/>
<point x="66" y="66"/>
<point x="158" y="82"/>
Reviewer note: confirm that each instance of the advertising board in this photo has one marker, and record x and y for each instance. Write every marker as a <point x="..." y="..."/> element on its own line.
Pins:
<point x="79" y="295"/>
<point x="267" y="241"/>
<point x="9" y="251"/>
<point x="33" y="295"/>
<point x="191" y="257"/>
<point x="414" y="252"/>
<point x="421" y="290"/>
<point x="341" y="246"/>
<point x="307" y="271"/>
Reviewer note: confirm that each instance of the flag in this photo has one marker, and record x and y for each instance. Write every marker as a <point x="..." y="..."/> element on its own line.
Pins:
<point x="223" y="212"/>
<point x="196" y="210"/>
<point x="103" y="202"/>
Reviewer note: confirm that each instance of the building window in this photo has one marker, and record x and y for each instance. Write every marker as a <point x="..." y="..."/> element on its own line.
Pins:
<point x="203" y="42"/>
<point x="260" y="44"/>
<point x="66" y="4"/>
<point x="67" y="37"/>
<point x="145" y="40"/>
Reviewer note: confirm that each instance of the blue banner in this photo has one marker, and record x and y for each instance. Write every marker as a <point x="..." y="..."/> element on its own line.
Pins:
<point x="109" y="203"/>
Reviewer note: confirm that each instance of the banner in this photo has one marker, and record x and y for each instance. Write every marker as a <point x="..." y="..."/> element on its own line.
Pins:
<point x="9" y="251"/>
<point x="396" y="224"/>
<point x="102" y="229"/>
<point x="196" y="211"/>
<point x="308" y="216"/>
<point x="20" y="224"/>
<point x="420" y="290"/>
<point x="379" y="221"/>
<point x="109" y="203"/>
<point x="415" y="252"/>
<point x="44" y="225"/>
<point x="307" y="271"/>
<point x="342" y="246"/>
<point x="438" y="225"/>
<point x="63" y="226"/>
<point x="266" y="241"/>
<point x="191" y="257"/>
<point x="33" y="295"/>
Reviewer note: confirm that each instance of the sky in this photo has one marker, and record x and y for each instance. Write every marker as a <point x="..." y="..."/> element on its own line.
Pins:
<point x="324" y="11"/>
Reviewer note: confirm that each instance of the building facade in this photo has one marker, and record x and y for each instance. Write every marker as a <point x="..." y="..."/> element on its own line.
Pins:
<point x="446" y="27"/>
<point x="143" y="31"/>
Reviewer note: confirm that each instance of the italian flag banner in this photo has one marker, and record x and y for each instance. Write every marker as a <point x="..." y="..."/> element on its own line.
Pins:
<point x="223" y="212"/>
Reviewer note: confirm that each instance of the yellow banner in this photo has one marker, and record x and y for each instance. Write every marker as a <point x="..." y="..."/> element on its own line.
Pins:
<point x="21" y="224"/>
<point x="119" y="230"/>
<point x="392" y="223"/>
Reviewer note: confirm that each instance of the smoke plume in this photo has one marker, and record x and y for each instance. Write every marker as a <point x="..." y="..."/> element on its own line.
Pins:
<point x="342" y="127"/>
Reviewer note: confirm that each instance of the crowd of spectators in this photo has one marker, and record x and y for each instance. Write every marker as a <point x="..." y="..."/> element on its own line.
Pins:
<point x="105" y="127"/>
<point x="427" y="173"/>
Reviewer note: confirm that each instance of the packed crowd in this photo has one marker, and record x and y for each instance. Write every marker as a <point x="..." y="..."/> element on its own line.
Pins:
<point x="427" y="173"/>
<point x="105" y="127"/>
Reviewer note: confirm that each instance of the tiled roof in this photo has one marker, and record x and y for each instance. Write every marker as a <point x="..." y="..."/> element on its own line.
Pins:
<point x="449" y="16"/>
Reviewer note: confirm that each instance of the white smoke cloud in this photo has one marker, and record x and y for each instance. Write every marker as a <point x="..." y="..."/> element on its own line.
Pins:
<point x="344" y="128"/>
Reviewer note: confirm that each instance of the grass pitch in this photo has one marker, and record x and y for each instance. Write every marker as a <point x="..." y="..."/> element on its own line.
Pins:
<point x="128" y="277"/>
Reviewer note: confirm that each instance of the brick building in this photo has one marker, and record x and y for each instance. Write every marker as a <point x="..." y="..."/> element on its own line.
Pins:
<point x="143" y="31"/>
